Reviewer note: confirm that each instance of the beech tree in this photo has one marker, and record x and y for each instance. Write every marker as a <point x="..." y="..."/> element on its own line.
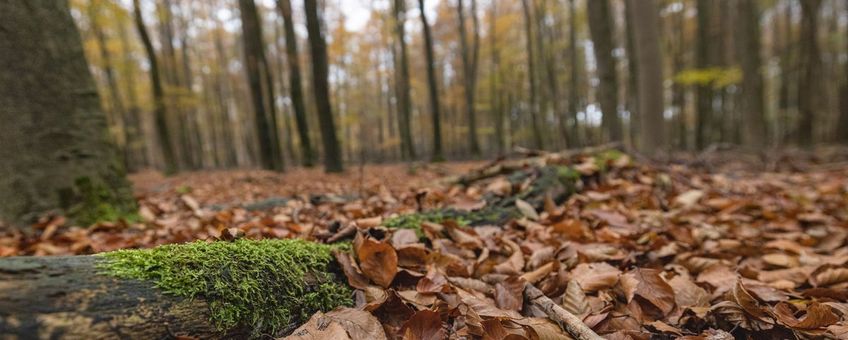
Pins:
<point x="646" y="36"/>
<point x="54" y="146"/>
<point x="600" y="27"/>
<point x="753" y="100"/>
<point x="432" y="85"/>
<point x="295" y="86"/>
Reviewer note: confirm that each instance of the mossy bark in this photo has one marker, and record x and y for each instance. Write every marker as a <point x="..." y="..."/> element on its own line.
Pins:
<point x="56" y="155"/>
<point x="67" y="298"/>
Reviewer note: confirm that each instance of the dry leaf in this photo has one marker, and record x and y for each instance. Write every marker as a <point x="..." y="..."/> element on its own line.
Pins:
<point x="527" y="210"/>
<point x="595" y="276"/>
<point x="342" y="323"/>
<point x="378" y="260"/>
<point x="424" y="325"/>
<point x="509" y="294"/>
<point x="574" y="300"/>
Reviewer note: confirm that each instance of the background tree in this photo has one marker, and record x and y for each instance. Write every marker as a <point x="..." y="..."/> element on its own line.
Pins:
<point x="600" y="27"/>
<point x="470" y="59"/>
<point x="261" y="87"/>
<point x="809" y="91"/>
<point x="704" y="94"/>
<point x="54" y="145"/>
<point x="404" y="101"/>
<point x="533" y="105"/>
<point x="749" y="48"/>
<point x="646" y="36"/>
<point x="318" y="51"/>
<point x="295" y="86"/>
<point x="432" y="85"/>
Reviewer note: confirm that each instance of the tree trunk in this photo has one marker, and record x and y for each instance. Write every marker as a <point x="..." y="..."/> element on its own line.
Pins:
<point x="704" y="95"/>
<point x="54" y="145"/>
<point x="495" y="80"/>
<point x="261" y="91"/>
<point x="318" y="50"/>
<point x="295" y="87"/>
<point x="469" y="65"/>
<point x="842" y="125"/>
<point x="116" y="104"/>
<point x="748" y="47"/>
<point x="809" y="93"/>
<point x="538" y="143"/>
<point x="432" y="85"/>
<point x="66" y="297"/>
<point x="632" y="97"/>
<point x="574" y="93"/>
<point x="646" y="34"/>
<point x="600" y="27"/>
<point x="136" y="156"/>
<point x="159" y="111"/>
<point x="404" y="101"/>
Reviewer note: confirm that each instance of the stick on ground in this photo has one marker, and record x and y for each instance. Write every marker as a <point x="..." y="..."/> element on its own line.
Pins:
<point x="567" y="321"/>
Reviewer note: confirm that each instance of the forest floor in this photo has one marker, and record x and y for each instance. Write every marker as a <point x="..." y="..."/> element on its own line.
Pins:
<point x="706" y="246"/>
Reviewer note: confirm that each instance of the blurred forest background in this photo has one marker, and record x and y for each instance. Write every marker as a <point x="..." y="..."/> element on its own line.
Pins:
<point x="273" y="83"/>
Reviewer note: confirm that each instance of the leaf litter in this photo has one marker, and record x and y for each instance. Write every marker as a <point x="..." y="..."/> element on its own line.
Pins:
<point x="640" y="250"/>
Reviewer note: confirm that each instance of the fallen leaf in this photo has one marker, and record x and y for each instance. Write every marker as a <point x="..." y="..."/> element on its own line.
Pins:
<point x="378" y="260"/>
<point x="593" y="277"/>
<point x="342" y="323"/>
<point x="650" y="286"/>
<point x="574" y="300"/>
<point x="509" y="294"/>
<point x="424" y="325"/>
<point x="818" y="316"/>
<point x="527" y="210"/>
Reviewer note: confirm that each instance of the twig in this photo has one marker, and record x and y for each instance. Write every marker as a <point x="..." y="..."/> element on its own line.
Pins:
<point x="567" y="321"/>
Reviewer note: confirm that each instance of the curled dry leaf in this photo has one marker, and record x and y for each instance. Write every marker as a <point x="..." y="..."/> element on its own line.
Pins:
<point x="540" y="273"/>
<point x="424" y="325"/>
<point x="341" y="324"/>
<point x="527" y="209"/>
<point x="378" y="260"/>
<point x="515" y="263"/>
<point x="818" y="316"/>
<point x="650" y="286"/>
<point x="574" y="300"/>
<point x="401" y="237"/>
<point x="471" y="284"/>
<point x="354" y="277"/>
<point x="593" y="277"/>
<point x="509" y="294"/>
<point x="828" y="275"/>
<point x="687" y="293"/>
<point x="434" y="282"/>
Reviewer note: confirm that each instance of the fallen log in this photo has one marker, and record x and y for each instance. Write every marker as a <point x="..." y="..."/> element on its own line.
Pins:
<point x="204" y="290"/>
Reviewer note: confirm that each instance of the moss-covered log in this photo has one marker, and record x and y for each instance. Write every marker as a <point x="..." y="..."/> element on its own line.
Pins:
<point x="204" y="290"/>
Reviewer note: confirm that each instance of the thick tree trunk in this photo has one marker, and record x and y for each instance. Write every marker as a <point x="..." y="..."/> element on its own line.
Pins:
<point x="538" y="142"/>
<point x="432" y="85"/>
<point x="67" y="298"/>
<point x="809" y="93"/>
<point x="748" y="47"/>
<point x="600" y="27"/>
<point x="54" y="147"/>
<point x="259" y="80"/>
<point x="295" y="86"/>
<point x="318" y="50"/>
<point x="650" y="77"/>
<point x="159" y="110"/>
<point x="404" y="101"/>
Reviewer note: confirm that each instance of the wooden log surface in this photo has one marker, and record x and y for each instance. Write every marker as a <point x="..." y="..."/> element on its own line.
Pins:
<point x="65" y="297"/>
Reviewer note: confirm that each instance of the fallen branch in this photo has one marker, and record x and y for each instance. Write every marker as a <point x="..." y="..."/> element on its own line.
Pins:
<point x="567" y="321"/>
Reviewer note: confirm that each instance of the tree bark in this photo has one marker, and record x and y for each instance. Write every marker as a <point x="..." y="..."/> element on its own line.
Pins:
<point x="54" y="143"/>
<point x="809" y="94"/>
<point x="116" y="104"/>
<point x="748" y="47"/>
<point x="538" y="142"/>
<point x="469" y="72"/>
<point x="574" y="75"/>
<point x="646" y="34"/>
<point x="66" y="297"/>
<point x="432" y="85"/>
<point x="600" y="27"/>
<point x="295" y="86"/>
<point x="495" y="80"/>
<point x="704" y="94"/>
<point x="321" y="87"/>
<point x="404" y="101"/>
<point x="261" y="89"/>
<point x="159" y="111"/>
<point x="842" y="125"/>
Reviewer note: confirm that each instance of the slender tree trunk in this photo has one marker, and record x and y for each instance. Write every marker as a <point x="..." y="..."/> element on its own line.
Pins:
<point x="632" y="99"/>
<point x="95" y="12"/>
<point x="600" y="27"/>
<point x="136" y="146"/>
<point x="259" y="80"/>
<point x="538" y="143"/>
<point x="318" y="50"/>
<point x="704" y="94"/>
<point x="646" y="35"/>
<point x="280" y="69"/>
<point x="494" y="81"/>
<point x="159" y="110"/>
<point x="295" y="86"/>
<point x="842" y="125"/>
<point x="54" y="146"/>
<point x="574" y="75"/>
<point x="748" y="47"/>
<point x="432" y="85"/>
<point x="678" y="97"/>
<point x="469" y="65"/>
<point x="545" y="32"/>
<point x="809" y="93"/>
<point x="404" y="101"/>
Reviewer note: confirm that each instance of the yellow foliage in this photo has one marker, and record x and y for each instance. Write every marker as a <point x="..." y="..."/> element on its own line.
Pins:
<point x="717" y="77"/>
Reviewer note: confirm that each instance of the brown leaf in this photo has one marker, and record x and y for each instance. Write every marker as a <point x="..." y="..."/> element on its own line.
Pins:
<point x="354" y="277"/>
<point x="515" y="263"/>
<point x="401" y="237"/>
<point x="540" y="273"/>
<point x="509" y="294"/>
<point x="687" y="293"/>
<point x="424" y="325"/>
<point x="650" y="286"/>
<point x="545" y="329"/>
<point x="378" y="260"/>
<point x="574" y="300"/>
<point x="818" y="316"/>
<point x="343" y="323"/>
<point x="593" y="277"/>
<point x="434" y="282"/>
<point x="828" y="275"/>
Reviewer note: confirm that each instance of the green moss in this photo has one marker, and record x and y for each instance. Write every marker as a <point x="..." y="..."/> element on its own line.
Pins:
<point x="603" y="158"/>
<point x="91" y="201"/>
<point x="267" y="285"/>
<point x="413" y="221"/>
